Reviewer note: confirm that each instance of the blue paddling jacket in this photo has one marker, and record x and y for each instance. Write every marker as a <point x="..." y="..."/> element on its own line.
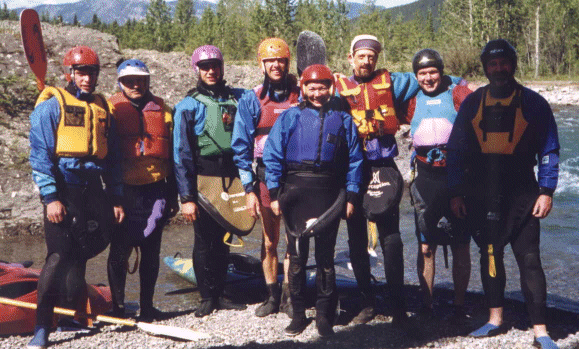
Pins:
<point x="306" y="139"/>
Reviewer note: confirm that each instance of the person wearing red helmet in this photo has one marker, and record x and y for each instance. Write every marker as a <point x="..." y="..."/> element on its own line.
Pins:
<point x="202" y="146"/>
<point x="73" y="145"/>
<point x="313" y="170"/>
<point x="145" y="125"/>
<point x="258" y="110"/>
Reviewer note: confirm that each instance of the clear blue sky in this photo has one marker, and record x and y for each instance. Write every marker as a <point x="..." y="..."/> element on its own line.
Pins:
<point x="32" y="3"/>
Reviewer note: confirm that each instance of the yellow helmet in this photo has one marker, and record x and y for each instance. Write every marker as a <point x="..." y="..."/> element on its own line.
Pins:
<point x="273" y="48"/>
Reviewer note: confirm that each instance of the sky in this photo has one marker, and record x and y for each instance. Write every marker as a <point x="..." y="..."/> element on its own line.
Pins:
<point x="31" y="3"/>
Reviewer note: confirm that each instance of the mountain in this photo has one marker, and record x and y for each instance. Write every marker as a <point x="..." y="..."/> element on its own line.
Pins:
<point x="109" y="11"/>
<point x="421" y="6"/>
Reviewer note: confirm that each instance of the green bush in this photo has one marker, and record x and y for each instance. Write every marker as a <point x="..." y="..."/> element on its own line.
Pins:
<point x="17" y="94"/>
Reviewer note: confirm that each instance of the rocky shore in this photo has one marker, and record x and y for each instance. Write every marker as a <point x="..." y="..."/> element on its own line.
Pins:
<point x="242" y="329"/>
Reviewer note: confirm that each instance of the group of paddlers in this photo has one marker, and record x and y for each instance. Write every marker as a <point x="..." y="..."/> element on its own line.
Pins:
<point x="312" y="150"/>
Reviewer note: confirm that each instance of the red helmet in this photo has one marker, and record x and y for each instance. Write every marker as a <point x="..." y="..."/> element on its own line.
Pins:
<point x="80" y="56"/>
<point x="318" y="73"/>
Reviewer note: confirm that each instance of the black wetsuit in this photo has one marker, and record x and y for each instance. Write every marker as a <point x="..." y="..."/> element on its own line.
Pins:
<point x="390" y="242"/>
<point x="491" y="161"/>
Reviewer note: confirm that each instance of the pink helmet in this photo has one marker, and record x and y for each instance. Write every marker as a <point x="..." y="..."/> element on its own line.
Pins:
<point x="205" y="53"/>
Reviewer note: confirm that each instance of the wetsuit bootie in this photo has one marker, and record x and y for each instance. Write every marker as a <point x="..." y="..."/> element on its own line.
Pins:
<point x="368" y="311"/>
<point x="40" y="339"/>
<point x="487" y="330"/>
<point x="458" y="316"/>
<point x="271" y="304"/>
<point x="149" y="314"/>
<point x="408" y="325"/>
<point x="297" y="325"/>
<point x="227" y="304"/>
<point x="285" y="305"/>
<point x="544" y="342"/>
<point x="119" y="311"/>
<point x="426" y="313"/>
<point x="206" y="307"/>
<point x="324" y="326"/>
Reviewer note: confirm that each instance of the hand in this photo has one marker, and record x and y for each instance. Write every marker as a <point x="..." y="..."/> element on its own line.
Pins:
<point x="458" y="207"/>
<point x="190" y="211"/>
<point x="252" y="203"/>
<point x="55" y="212"/>
<point x="275" y="207"/>
<point x="119" y="214"/>
<point x="543" y="206"/>
<point x="349" y="210"/>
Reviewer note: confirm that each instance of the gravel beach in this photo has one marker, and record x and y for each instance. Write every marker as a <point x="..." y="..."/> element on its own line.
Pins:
<point x="242" y="329"/>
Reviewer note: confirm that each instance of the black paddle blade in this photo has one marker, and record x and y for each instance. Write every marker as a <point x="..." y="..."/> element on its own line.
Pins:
<point x="311" y="49"/>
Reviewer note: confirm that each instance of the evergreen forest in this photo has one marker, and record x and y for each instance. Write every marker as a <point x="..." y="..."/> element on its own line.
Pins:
<point x="545" y="32"/>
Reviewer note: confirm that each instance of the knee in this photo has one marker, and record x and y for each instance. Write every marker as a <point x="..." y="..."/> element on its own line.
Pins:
<point x="391" y="241"/>
<point x="270" y="245"/>
<point x="532" y="261"/>
<point x="53" y="260"/>
<point x="427" y="252"/>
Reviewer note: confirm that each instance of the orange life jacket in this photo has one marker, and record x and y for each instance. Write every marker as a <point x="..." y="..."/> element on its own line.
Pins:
<point x="371" y="104"/>
<point x="141" y="136"/>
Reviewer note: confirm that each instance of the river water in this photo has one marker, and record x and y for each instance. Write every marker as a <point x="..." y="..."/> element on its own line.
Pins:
<point x="559" y="244"/>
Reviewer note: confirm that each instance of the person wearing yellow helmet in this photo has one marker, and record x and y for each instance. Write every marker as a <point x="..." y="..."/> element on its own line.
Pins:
<point x="257" y="112"/>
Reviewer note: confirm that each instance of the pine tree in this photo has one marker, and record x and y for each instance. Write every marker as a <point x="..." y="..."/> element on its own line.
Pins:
<point x="159" y="26"/>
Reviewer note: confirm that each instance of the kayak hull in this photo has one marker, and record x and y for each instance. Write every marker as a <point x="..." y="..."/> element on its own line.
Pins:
<point x="17" y="282"/>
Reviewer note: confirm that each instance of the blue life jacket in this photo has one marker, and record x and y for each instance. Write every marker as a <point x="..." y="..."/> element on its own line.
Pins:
<point x="433" y="119"/>
<point x="318" y="143"/>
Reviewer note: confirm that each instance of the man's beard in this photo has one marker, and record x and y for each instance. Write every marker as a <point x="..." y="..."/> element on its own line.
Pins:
<point x="500" y="78"/>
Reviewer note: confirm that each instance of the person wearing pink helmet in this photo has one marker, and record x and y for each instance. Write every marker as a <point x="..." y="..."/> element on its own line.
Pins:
<point x="203" y="122"/>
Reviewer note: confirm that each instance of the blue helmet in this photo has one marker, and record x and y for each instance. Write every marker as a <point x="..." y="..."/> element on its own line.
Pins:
<point x="132" y="67"/>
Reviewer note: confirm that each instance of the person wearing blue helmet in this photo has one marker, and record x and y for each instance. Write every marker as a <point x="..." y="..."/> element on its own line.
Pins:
<point x="145" y="126"/>
<point x="502" y="131"/>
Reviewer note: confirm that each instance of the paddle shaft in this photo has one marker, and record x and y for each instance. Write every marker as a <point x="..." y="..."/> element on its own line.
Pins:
<point x="70" y="312"/>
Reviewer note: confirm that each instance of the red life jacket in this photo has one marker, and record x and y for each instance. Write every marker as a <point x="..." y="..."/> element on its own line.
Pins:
<point x="270" y="110"/>
<point x="371" y="104"/>
<point x="146" y="135"/>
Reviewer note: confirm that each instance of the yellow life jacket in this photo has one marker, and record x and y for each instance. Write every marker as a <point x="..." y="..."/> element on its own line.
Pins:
<point x="83" y="127"/>
<point x="371" y="104"/>
<point x="499" y="123"/>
